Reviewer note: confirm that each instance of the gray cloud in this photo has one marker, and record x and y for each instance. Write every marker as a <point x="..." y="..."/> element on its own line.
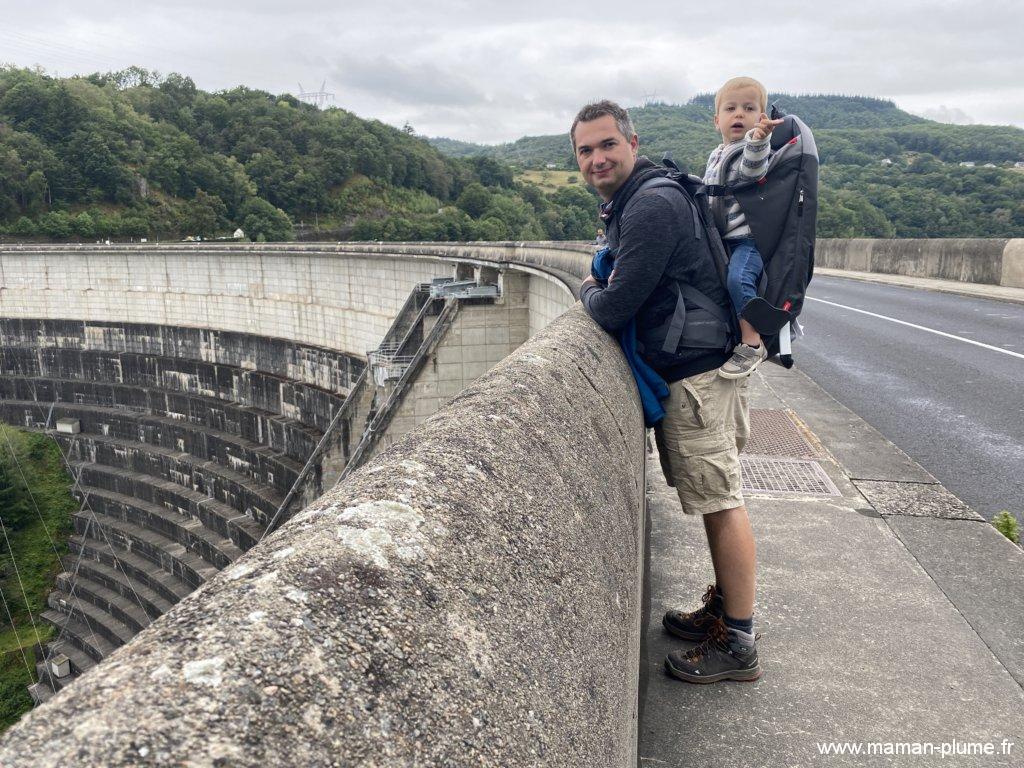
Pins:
<point x="494" y="71"/>
<point x="944" y="114"/>
<point x="404" y="82"/>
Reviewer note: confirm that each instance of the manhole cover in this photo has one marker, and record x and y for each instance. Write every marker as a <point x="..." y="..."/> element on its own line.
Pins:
<point x="769" y="474"/>
<point x="773" y="433"/>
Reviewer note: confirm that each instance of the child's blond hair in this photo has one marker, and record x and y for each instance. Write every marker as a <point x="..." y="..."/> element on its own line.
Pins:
<point x="742" y="82"/>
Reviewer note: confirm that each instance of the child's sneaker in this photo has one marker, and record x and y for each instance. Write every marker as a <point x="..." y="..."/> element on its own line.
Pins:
<point x="743" y="361"/>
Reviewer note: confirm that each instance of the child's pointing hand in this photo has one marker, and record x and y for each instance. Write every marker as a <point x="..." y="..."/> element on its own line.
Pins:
<point x="764" y="127"/>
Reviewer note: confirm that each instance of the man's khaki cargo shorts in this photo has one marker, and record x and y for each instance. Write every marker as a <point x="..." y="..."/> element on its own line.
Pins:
<point x="705" y="427"/>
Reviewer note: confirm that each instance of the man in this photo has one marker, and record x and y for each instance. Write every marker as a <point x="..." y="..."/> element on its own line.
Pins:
<point x="660" y="257"/>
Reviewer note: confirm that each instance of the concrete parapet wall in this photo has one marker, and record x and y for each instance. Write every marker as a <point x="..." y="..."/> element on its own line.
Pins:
<point x="471" y="596"/>
<point x="1013" y="264"/>
<point x="995" y="261"/>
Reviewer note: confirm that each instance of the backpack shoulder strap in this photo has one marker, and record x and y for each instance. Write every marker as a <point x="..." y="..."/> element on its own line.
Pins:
<point x="667" y="182"/>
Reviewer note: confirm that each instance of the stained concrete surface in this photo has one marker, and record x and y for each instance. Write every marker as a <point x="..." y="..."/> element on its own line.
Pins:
<point x="861" y="641"/>
<point x="915" y="499"/>
<point x="469" y="597"/>
<point x="981" y="574"/>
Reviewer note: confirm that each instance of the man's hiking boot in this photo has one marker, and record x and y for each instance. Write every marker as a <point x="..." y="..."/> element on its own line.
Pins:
<point x="718" y="658"/>
<point x="743" y="361"/>
<point x="693" y="625"/>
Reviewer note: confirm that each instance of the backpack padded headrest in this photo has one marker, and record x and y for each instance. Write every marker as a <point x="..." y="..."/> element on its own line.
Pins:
<point x="785" y="133"/>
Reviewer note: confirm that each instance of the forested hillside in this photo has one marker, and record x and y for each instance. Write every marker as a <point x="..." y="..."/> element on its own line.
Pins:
<point x="885" y="173"/>
<point x="132" y="155"/>
<point x="35" y="509"/>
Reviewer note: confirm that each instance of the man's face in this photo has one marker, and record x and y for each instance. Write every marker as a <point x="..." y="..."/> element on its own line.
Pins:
<point x="606" y="157"/>
<point x="738" y="112"/>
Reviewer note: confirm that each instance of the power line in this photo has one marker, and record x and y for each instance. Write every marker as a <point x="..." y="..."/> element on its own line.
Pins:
<point x="24" y="594"/>
<point x="85" y="506"/>
<point x="53" y="546"/>
<point x="17" y="637"/>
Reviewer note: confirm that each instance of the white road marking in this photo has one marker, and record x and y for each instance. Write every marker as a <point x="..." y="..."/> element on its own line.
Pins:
<point x="919" y="327"/>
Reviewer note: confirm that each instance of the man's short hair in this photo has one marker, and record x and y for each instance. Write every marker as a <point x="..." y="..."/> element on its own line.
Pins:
<point x="599" y="109"/>
<point x="742" y="82"/>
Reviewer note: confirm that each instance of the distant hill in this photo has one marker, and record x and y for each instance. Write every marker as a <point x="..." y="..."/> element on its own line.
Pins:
<point x="130" y="154"/>
<point x="885" y="172"/>
<point x="857" y="128"/>
<point x="830" y="111"/>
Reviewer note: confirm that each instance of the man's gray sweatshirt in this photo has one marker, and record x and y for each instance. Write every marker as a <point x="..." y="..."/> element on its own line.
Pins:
<point x="654" y="247"/>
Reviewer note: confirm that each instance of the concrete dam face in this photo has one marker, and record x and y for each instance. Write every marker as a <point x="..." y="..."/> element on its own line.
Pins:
<point x="203" y="395"/>
<point x="183" y="443"/>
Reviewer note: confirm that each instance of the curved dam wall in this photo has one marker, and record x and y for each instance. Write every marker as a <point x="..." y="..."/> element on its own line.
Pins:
<point x="996" y="261"/>
<point x="337" y="296"/>
<point x="471" y="596"/>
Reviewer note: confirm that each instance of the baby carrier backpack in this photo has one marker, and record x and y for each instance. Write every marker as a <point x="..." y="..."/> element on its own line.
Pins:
<point x="697" y="321"/>
<point x="782" y="211"/>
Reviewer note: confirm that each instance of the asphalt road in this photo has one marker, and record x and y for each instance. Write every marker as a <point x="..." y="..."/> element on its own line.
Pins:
<point x="955" y="407"/>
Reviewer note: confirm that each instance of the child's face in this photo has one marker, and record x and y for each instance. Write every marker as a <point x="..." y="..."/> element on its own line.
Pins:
<point x="738" y="112"/>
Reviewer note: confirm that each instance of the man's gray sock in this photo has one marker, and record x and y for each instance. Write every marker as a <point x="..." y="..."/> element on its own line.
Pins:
<point x="740" y="641"/>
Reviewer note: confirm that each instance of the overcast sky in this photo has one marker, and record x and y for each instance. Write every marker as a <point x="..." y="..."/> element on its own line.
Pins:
<point x="494" y="71"/>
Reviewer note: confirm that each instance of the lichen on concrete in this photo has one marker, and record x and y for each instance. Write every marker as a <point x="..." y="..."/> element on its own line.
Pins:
<point x="471" y="597"/>
<point x="915" y="500"/>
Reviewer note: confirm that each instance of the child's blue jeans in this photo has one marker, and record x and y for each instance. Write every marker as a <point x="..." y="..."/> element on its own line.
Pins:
<point x="745" y="267"/>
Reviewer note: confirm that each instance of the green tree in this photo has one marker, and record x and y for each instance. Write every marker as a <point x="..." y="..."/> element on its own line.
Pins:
<point x="260" y="219"/>
<point x="84" y="226"/>
<point x="474" y="200"/>
<point x="14" y="506"/>
<point x="206" y="215"/>
<point x="55" y="225"/>
<point x="24" y="227"/>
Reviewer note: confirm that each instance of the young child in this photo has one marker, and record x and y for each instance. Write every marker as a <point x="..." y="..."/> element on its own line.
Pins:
<point x="740" y="117"/>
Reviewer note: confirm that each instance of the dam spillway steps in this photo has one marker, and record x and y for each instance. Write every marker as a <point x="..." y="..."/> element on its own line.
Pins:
<point x="215" y="515"/>
<point x="179" y="464"/>
<point x="284" y="434"/>
<point x="252" y="498"/>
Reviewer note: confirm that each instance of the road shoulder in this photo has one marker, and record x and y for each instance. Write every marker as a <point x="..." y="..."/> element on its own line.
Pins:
<point x="975" y="290"/>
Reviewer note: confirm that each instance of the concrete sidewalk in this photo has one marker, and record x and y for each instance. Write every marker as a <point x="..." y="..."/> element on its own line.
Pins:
<point x="889" y="612"/>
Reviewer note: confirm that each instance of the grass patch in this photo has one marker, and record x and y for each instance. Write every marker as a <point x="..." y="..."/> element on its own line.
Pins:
<point x="550" y="180"/>
<point x="37" y="539"/>
<point x="1007" y="525"/>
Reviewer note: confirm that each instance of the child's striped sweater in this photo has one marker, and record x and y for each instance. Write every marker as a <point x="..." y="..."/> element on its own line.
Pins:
<point x="751" y="167"/>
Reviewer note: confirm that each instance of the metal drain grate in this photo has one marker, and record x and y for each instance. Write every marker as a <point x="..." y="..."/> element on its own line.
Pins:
<point x="773" y="433"/>
<point x="768" y="474"/>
